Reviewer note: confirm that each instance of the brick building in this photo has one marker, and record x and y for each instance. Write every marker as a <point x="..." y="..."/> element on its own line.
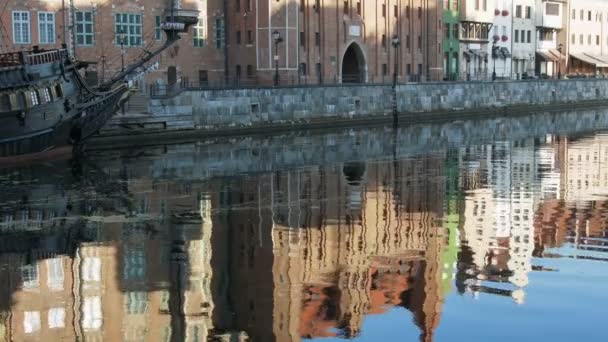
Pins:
<point x="320" y="40"/>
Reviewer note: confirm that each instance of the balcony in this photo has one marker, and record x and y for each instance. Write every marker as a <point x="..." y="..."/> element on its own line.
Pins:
<point x="551" y="15"/>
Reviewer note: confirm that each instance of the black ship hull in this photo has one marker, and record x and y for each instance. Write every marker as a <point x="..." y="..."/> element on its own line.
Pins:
<point x="51" y="127"/>
<point x="45" y="103"/>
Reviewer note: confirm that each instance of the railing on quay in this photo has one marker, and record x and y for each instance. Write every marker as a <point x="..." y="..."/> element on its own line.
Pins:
<point x="235" y="83"/>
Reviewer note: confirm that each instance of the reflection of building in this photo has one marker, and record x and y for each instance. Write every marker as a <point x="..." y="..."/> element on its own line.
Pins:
<point x="498" y="225"/>
<point x="301" y="248"/>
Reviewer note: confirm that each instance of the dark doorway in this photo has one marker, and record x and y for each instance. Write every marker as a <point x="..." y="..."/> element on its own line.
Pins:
<point x="172" y="75"/>
<point x="353" y="65"/>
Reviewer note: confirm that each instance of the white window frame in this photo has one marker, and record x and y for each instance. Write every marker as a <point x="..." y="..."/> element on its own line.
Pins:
<point x="46" y="27"/>
<point x="25" y="36"/>
<point x="199" y="34"/>
<point x="54" y="270"/>
<point x="81" y="28"/>
<point x="131" y="25"/>
<point x="56" y="318"/>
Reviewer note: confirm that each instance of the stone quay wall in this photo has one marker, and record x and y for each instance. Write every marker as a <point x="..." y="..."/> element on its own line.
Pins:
<point x="212" y="110"/>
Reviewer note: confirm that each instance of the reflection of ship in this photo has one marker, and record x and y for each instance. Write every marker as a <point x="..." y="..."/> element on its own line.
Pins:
<point x="45" y="102"/>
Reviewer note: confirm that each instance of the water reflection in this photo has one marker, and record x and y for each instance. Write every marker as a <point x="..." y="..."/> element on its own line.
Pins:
<point x="122" y="249"/>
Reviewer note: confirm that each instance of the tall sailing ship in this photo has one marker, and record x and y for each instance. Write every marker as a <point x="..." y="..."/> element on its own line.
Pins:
<point x="45" y="102"/>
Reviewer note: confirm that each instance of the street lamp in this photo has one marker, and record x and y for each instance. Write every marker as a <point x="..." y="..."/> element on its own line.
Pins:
<point x="395" y="42"/>
<point x="276" y="37"/>
<point x="494" y="55"/>
<point x="559" y="63"/>
<point x="121" y="38"/>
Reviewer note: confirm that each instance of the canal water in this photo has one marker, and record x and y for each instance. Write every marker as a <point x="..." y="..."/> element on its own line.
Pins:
<point x="469" y="231"/>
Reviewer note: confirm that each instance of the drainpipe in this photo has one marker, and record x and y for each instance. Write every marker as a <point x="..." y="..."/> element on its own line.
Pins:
<point x="226" y="73"/>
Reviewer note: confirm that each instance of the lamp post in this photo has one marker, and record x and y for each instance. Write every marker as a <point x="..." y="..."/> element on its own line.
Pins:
<point x="494" y="55"/>
<point x="121" y="38"/>
<point x="276" y="37"/>
<point x="559" y="63"/>
<point x="395" y="41"/>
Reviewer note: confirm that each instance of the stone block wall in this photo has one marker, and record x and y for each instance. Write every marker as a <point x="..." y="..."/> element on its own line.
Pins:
<point x="219" y="109"/>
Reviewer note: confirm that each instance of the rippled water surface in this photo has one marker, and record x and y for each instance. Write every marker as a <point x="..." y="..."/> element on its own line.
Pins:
<point x="473" y="231"/>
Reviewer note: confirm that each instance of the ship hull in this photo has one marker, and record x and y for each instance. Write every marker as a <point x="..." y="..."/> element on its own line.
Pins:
<point x="47" y="128"/>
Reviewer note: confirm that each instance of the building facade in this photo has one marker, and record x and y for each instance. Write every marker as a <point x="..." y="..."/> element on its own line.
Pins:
<point x="451" y="34"/>
<point x="524" y="38"/>
<point x="476" y="21"/>
<point x="588" y="38"/>
<point x="501" y="40"/>
<point x="550" y="50"/>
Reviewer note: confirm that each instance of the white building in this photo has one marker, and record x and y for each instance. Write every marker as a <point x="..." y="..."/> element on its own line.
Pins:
<point x="549" y="23"/>
<point x="524" y="37"/>
<point x="476" y="19"/>
<point x="501" y="35"/>
<point x="588" y="44"/>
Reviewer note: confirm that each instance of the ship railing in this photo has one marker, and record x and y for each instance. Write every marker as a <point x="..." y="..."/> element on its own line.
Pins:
<point x="45" y="57"/>
<point x="10" y="59"/>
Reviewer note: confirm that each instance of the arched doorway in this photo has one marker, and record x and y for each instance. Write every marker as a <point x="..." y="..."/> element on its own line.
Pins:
<point x="353" y="65"/>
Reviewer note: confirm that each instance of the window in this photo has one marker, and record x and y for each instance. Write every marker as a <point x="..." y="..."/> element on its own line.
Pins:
<point x="84" y="28"/>
<point x="477" y="5"/>
<point x="529" y="36"/>
<point x="582" y="15"/>
<point x="158" y="32"/>
<point x="199" y="34"/>
<point x="238" y="71"/>
<point x="455" y="31"/>
<point x="249" y="37"/>
<point x="573" y="39"/>
<point x="395" y="11"/>
<point x="29" y="276"/>
<point x="21" y="27"/>
<point x="588" y="39"/>
<point x="408" y="69"/>
<point x="46" y="27"/>
<point x="134" y="264"/>
<point x="518" y="11"/>
<point x="359" y="7"/>
<point x="136" y="302"/>
<point x="573" y="14"/>
<point x="128" y="29"/>
<point x="303" y="69"/>
<point x="516" y="37"/>
<point x="345" y="6"/>
<point x="317" y="38"/>
<point x="31" y="321"/>
<point x="219" y="33"/>
<point x="419" y="42"/>
<point x="238" y="37"/>
<point x="91" y="269"/>
<point x="383" y="41"/>
<point x="55" y="273"/>
<point x="56" y="318"/>
<point x="580" y="39"/>
<point x="384" y="70"/>
<point x="485" y="5"/>
<point x="302" y="39"/>
<point x="528" y="12"/>
<point x="383" y="10"/>
<point x="446" y="31"/>
<point x="91" y="313"/>
<point x="597" y="40"/>
<point x="249" y="71"/>
<point x="407" y="41"/>
<point x="238" y="6"/>
<point x="46" y="95"/>
<point x="589" y="15"/>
